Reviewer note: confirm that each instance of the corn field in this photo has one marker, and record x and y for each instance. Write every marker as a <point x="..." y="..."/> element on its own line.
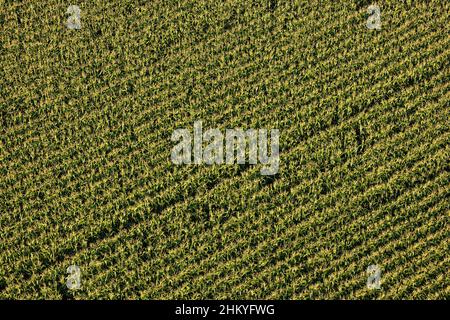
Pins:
<point x="88" y="107"/>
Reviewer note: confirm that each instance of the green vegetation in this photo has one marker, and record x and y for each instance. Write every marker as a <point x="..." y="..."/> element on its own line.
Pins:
<point x="85" y="171"/>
